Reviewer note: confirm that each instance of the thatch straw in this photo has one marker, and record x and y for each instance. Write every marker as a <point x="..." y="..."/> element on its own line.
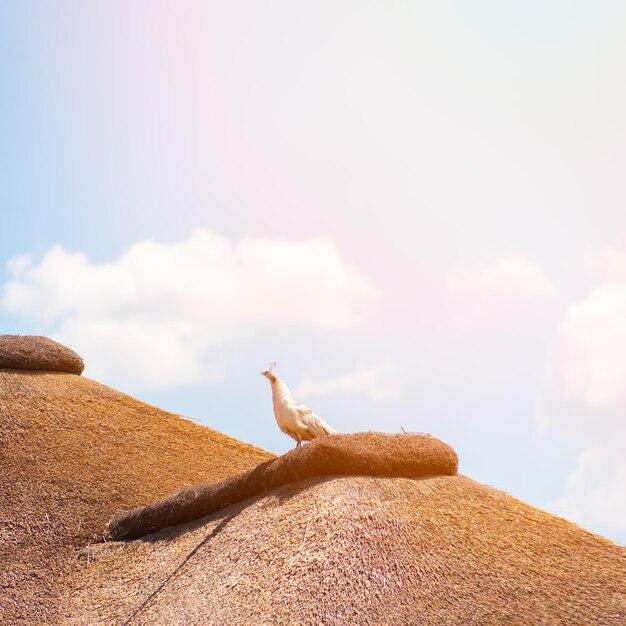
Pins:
<point x="73" y="453"/>
<point x="345" y="550"/>
<point x="368" y="454"/>
<point x="436" y="551"/>
<point x="25" y="352"/>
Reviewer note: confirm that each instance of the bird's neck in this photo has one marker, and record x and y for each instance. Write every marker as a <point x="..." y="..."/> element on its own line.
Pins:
<point x="280" y="392"/>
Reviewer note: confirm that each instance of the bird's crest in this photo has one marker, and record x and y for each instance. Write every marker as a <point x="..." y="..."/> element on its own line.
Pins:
<point x="272" y="366"/>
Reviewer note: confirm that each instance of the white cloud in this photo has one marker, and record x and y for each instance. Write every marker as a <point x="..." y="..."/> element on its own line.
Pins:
<point x="586" y="381"/>
<point x="594" y="492"/>
<point x="511" y="277"/>
<point x="584" y="398"/>
<point x="156" y="315"/>
<point x="609" y="264"/>
<point x="379" y="382"/>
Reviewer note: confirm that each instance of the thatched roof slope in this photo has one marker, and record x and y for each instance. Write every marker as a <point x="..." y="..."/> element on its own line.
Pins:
<point x="437" y="551"/>
<point x="367" y="454"/>
<point x="24" y="352"/>
<point x="333" y="550"/>
<point x="72" y="454"/>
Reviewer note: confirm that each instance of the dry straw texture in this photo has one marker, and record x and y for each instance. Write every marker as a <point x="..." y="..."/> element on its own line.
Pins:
<point x="72" y="454"/>
<point x="23" y="352"/>
<point x="368" y="454"/>
<point x="440" y="550"/>
<point x="331" y="550"/>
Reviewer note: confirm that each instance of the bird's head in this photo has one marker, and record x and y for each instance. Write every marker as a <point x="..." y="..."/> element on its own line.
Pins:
<point x="268" y="373"/>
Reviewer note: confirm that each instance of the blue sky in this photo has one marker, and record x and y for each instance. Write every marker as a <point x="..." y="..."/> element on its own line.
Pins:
<point x="416" y="209"/>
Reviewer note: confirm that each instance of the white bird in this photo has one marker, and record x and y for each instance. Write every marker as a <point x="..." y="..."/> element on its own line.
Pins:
<point x="293" y="418"/>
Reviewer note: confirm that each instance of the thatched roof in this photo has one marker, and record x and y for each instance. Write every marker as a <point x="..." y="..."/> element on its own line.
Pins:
<point x="364" y="454"/>
<point x="25" y="352"/>
<point x="334" y="549"/>
<point x="72" y="454"/>
<point x="440" y="550"/>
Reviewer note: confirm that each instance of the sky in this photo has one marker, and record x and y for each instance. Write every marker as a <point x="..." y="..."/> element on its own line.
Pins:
<point x="417" y="209"/>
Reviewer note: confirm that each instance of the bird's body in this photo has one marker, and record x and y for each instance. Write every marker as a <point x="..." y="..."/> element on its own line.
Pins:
<point x="293" y="418"/>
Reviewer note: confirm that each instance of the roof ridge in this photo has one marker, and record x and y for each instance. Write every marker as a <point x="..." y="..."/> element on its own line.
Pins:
<point x="364" y="454"/>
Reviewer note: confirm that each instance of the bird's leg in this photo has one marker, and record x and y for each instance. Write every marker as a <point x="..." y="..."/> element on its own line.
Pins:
<point x="298" y="444"/>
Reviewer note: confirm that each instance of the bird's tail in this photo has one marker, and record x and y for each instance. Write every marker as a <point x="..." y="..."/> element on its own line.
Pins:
<point x="327" y="430"/>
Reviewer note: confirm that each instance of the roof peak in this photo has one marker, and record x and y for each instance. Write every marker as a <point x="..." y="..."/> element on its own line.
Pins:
<point x="33" y="352"/>
<point x="357" y="454"/>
